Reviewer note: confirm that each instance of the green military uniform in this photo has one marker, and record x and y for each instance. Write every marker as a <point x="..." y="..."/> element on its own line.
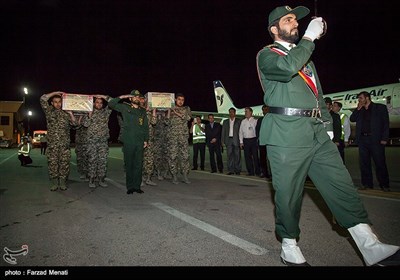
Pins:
<point x="299" y="146"/>
<point x="135" y="132"/>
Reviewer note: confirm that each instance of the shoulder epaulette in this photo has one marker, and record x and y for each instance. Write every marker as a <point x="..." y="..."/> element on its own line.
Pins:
<point x="271" y="46"/>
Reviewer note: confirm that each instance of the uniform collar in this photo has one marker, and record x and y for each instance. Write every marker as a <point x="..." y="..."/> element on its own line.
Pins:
<point x="286" y="45"/>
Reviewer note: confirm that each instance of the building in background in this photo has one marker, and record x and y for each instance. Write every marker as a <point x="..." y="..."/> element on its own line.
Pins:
<point x="11" y="121"/>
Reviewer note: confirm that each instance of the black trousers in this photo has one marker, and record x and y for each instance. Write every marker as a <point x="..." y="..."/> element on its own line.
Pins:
<point x="199" y="147"/>
<point x="341" y="149"/>
<point x="24" y="159"/>
<point x="251" y="156"/>
<point x="215" y="151"/>
<point x="43" y="147"/>
<point x="367" y="149"/>
<point x="264" y="166"/>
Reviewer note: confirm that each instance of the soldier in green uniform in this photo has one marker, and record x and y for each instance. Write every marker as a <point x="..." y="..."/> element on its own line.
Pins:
<point x="297" y="133"/>
<point x="134" y="137"/>
<point x="59" y="123"/>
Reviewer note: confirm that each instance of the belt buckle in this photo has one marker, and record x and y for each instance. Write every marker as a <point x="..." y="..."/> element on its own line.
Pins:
<point x="315" y="113"/>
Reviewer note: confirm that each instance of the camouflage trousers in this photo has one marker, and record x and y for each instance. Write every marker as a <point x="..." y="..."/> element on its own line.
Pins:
<point x="97" y="154"/>
<point x="148" y="160"/>
<point x="178" y="154"/>
<point x="81" y="157"/>
<point x="58" y="157"/>
<point x="160" y="156"/>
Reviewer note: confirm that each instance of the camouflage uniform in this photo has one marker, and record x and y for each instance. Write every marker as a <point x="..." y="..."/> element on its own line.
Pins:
<point x="178" y="141"/>
<point x="160" y="146"/>
<point x="148" y="155"/>
<point x="81" y="150"/>
<point x="58" y="137"/>
<point x="97" y="138"/>
<point x="120" y="123"/>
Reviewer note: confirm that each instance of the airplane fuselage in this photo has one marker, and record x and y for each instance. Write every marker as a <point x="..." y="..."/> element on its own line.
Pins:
<point x="384" y="94"/>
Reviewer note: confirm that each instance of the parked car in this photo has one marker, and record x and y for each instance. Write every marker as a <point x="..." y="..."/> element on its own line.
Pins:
<point x="5" y="143"/>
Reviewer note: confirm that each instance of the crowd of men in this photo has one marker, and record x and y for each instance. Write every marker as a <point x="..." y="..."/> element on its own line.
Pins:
<point x="144" y="132"/>
<point x="168" y="133"/>
<point x="166" y="154"/>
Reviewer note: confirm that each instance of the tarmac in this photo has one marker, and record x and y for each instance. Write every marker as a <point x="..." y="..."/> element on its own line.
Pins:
<point x="217" y="220"/>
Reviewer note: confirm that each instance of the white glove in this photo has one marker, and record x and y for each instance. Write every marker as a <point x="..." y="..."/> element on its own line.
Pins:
<point x="330" y="133"/>
<point x="315" y="29"/>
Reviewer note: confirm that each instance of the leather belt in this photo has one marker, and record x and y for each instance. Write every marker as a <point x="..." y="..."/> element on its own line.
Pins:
<point x="311" y="113"/>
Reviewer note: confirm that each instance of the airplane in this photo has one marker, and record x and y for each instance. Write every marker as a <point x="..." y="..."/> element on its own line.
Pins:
<point x="384" y="94"/>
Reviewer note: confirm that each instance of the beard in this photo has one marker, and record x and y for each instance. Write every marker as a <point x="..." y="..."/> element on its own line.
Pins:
<point x="136" y="102"/>
<point x="286" y="36"/>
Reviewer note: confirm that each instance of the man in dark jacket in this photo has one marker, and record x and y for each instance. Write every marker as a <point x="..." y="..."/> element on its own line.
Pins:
<point x="372" y="134"/>
<point x="213" y="142"/>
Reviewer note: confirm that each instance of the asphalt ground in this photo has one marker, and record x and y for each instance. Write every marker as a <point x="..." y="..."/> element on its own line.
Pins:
<point x="218" y="220"/>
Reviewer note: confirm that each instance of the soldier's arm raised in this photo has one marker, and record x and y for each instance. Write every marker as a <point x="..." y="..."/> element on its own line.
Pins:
<point x="47" y="96"/>
<point x="105" y="97"/>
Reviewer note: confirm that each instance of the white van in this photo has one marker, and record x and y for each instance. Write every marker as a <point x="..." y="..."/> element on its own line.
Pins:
<point x="37" y="134"/>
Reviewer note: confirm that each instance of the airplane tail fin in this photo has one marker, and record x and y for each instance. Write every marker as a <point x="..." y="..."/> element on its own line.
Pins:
<point x="222" y="98"/>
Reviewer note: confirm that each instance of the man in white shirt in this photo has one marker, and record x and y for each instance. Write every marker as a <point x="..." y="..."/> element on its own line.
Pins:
<point x="346" y="130"/>
<point x="248" y="142"/>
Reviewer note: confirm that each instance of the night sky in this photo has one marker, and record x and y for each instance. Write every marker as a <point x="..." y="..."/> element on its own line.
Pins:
<point x="114" y="46"/>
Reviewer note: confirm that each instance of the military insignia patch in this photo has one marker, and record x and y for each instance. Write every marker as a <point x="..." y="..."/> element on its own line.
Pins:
<point x="307" y="71"/>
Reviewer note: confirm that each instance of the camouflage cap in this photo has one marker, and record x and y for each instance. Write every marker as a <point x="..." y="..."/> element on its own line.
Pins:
<point x="281" y="11"/>
<point x="137" y="93"/>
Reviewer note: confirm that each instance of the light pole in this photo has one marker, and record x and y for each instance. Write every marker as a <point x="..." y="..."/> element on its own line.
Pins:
<point x="25" y="93"/>
<point x="24" y="110"/>
<point x="29" y="118"/>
